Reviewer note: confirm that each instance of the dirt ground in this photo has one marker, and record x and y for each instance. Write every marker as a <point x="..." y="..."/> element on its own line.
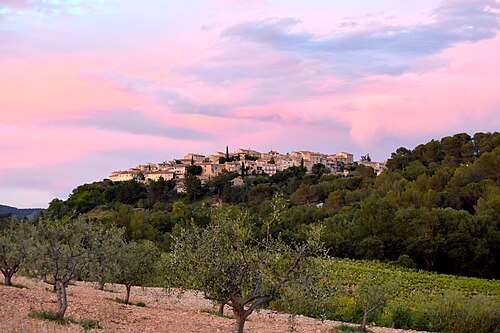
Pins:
<point x="162" y="313"/>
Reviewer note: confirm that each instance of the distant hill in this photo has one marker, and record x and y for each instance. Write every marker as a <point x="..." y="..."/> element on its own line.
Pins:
<point x="23" y="212"/>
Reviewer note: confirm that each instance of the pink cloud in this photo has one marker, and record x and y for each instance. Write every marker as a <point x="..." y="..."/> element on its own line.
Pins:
<point x="448" y="99"/>
<point x="77" y="88"/>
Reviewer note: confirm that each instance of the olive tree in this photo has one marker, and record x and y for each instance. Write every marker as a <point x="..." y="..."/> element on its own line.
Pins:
<point x="105" y="257"/>
<point x="138" y="264"/>
<point x="231" y="267"/>
<point x="61" y="253"/>
<point x="15" y="243"/>
<point x="371" y="296"/>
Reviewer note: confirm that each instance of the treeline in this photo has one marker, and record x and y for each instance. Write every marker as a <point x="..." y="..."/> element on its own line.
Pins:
<point x="436" y="207"/>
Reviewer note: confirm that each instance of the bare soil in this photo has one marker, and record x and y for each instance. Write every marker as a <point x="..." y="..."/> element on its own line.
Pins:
<point x="163" y="313"/>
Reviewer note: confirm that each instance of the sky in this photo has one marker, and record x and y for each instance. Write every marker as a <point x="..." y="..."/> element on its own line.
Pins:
<point x="92" y="86"/>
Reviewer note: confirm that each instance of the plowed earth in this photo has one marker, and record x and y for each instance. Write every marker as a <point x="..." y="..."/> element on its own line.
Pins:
<point x="163" y="313"/>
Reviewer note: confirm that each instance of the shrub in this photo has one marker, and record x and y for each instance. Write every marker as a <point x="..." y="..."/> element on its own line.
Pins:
<point x="402" y="317"/>
<point x="89" y="324"/>
<point x="405" y="261"/>
<point x="15" y="285"/>
<point x="453" y="313"/>
<point x="86" y="324"/>
<point x="349" y="312"/>
<point x="121" y="301"/>
<point x="349" y="329"/>
<point x="215" y="313"/>
<point x="48" y="315"/>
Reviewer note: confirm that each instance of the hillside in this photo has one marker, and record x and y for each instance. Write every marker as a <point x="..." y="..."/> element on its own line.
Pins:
<point x="435" y="208"/>
<point x="19" y="212"/>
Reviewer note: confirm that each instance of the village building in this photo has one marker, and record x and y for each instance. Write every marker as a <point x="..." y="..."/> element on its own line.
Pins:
<point x="121" y="176"/>
<point x="260" y="163"/>
<point x="196" y="158"/>
<point x="379" y="167"/>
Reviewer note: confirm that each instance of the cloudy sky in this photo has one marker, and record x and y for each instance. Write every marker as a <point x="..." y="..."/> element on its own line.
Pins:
<point x="92" y="86"/>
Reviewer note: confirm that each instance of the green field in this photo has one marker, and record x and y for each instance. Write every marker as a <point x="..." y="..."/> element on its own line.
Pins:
<point x="411" y="282"/>
<point x="420" y="300"/>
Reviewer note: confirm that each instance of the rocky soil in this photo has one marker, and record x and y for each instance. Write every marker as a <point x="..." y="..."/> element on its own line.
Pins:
<point x="162" y="314"/>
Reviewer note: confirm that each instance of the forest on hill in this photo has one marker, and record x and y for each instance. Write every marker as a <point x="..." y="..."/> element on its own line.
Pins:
<point x="436" y="207"/>
<point x="7" y="211"/>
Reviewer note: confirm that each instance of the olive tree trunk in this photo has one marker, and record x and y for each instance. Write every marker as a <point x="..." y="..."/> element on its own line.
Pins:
<point x="8" y="277"/>
<point x="221" y="308"/>
<point x="363" y="323"/>
<point x="241" y="314"/>
<point x="62" y="299"/>
<point x="101" y="284"/>
<point x="127" y="296"/>
<point x="8" y="273"/>
<point x="241" y="318"/>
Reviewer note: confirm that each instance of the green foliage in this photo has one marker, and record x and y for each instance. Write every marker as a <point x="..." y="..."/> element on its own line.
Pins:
<point x="15" y="246"/>
<point x="193" y="186"/>
<point x="61" y="252"/>
<point x="89" y="324"/>
<point x="319" y="169"/>
<point x="306" y="195"/>
<point x="194" y="170"/>
<point x="453" y="313"/>
<point x="48" y="315"/>
<point x="364" y="172"/>
<point x="122" y="301"/>
<point x="260" y="193"/>
<point x="15" y="285"/>
<point x="349" y="329"/>
<point x="86" y="324"/>
<point x="405" y="261"/>
<point x="138" y="264"/>
<point x="230" y="266"/>
<point x="371" y="296"/>
<point x="421" y="300"/>
<point x="216" y="313"/>
<point x="105" y="255"/>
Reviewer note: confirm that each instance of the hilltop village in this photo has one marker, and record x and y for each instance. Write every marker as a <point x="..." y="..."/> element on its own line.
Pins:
<point x="244" y="162"/>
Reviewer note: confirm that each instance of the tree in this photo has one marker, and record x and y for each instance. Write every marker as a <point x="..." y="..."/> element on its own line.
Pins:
<point x="15" y="243"/>
<point x="259" y="193"/>
<point x="278" y="206"/>
<point x="193" y="186"/>
<point x="319" y="169"/>
<point x="179" y="209"/>
<point x="306" y="195"/>
<point x="364" y="172"/>
<point x="107" y="247"/>
<point x="366" y="158"/>
<point x="244" y="170"/>
<point x="220" y="182"/>
<point x="140" y="176"/>
<point x="194" y="170"/>
<point x="371" y="296"/>
<point x="230" y="266"/>
<point x="159" y="191"/>
<point x="61" y="253"/>
<point x="137" y="265"/>
<point x="399" y="159"/>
